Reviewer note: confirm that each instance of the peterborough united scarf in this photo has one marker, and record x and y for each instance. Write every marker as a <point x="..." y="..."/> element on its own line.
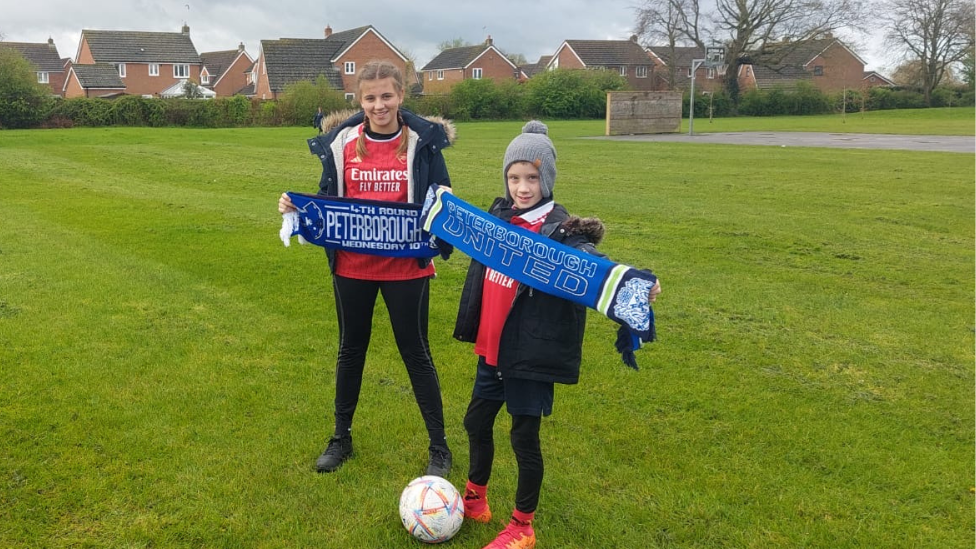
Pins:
<point x="620" y="292"/>
<point x="372" y="227"/>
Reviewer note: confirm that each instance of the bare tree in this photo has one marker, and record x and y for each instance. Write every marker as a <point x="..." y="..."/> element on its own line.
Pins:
<point x="936" y="34"/>
<point x="456" y="42"/>
<point x="743" y="26"/>
<point x="669" y="24"/>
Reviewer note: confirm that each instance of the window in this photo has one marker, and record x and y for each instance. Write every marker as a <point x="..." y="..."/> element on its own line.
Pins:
<point x="121" y="67"/>
<point x="710" y="72"/>
<point x="154" y="69"/>
<point x="623" y="71"/>
<point x="430" y="75"/>
<point x="43" y="78"/>
<point x="642" y="71"/>
<point x="476" y="74"/>
<point x="818" y="70"/>
<point x="181" y="71"/>
<point x="440" y="75"/>
<point x="689" y="72"/>
<point x="350" y="67"/>
<point x="350" y="97"/>
<point x="204" y="78"/>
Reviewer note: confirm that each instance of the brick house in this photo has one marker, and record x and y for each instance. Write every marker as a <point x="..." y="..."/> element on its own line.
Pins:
<point x="337" y="57"/>
<point x="874" y="79"/>
<point x="707" y="79"/>
<point x="95" y="80"/>
<point x="226" y="72"/>
<point x="531" y="69"/>
<point x="625" y="56"/>
<point x="46" y="61"/>
<point x="826" y="63"/>
<point x="455" y="65"/>
<point x="146" y="62"/>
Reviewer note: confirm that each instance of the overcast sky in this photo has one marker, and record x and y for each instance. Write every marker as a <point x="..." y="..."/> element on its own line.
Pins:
<point x="529" y="27"/>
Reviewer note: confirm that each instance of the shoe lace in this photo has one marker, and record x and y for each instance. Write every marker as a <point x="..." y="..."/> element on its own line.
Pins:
<point x="438" y="457"/>
<point x="335" y="447"/>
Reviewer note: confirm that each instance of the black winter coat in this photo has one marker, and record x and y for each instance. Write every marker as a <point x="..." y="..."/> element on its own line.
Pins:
<point x="429" y="168"/>
<point x="542" y="338"/>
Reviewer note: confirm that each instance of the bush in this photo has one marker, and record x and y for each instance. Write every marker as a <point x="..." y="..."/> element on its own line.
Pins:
<point x="565" y="93"/>
<point x="485" y="100"/>
<point x="894" y="98"/>
<point x="300" y="101"/>
<point x="777" y="101"/>
<point x="431" y="105"/>
<point x="23" y="102"/>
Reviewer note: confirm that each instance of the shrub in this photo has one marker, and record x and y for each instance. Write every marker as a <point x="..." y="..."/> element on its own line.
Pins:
<point x="565" y="93"/>
<point x="23" y="102"/>
<point x="300" y="100"/>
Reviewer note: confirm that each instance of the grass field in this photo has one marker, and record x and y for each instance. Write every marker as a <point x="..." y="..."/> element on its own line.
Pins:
<point x="166" y="364"/>
<point x="945" y="121"/>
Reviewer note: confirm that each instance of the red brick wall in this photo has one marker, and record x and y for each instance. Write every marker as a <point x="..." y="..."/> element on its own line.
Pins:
<point x="840" y="70"/>
<point x="234" y="78"/>
<point x="568" y="60"/>
<point x="369" y="48"/>
<point x="437" y="87"/>
<point x="138" y="82"/>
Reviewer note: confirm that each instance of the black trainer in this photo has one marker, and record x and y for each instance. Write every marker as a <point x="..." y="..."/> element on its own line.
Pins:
<point x="440" y="461"/>
<point x="338" y="451"/>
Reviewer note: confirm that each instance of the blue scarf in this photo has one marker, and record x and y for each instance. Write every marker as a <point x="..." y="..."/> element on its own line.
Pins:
<point x="617" y="291"/>
<point x="372" y="227"/>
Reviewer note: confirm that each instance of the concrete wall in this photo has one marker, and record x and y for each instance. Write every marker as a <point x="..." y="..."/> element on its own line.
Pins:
<point x="637" y="112"/>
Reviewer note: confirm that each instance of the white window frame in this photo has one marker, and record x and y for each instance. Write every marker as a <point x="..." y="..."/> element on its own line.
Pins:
<point x="184" y="73"/>
<point x="641" y="71"/>
<point x="43" y="78"/>
<point x="350" y="96"/>
<point x="476" y="73"/>
<point x="154" y="69"/>
<point x="204" y="78"/>
<point x="710" y="73"/>
<point x="623" y="70"/>
<point x="430" y="75"/>
<point x="121" y="67"/>
<point x="689" y="72"/>
<point x="349" y="67"/>
<point x="440" y="75"/>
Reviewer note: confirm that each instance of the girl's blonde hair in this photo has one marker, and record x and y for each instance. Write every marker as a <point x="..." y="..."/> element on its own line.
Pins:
<point x="378" y="70"/>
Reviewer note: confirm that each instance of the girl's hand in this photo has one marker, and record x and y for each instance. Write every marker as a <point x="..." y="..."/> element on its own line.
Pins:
<point x="285" y="205"/>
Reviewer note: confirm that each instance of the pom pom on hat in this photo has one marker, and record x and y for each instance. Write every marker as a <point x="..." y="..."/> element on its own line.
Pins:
<point x="533" y="146"/>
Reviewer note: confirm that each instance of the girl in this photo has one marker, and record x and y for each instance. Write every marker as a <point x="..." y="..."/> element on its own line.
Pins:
<point x="382" y="153"/>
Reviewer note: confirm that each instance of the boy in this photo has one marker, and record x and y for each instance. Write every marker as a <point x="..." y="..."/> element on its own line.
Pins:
<point x="526" y="340"/>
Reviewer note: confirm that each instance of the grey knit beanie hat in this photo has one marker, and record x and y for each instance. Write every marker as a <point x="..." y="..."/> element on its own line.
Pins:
<point x="533" y="146"/>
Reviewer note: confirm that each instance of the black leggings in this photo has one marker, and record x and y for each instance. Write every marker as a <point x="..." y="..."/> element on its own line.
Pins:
<point x="479" y="423"/>
<point x="407" y="303"/>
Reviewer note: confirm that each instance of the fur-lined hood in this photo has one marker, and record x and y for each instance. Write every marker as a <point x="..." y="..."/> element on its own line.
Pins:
<point x="335" y="119"/>
<point x="590" y="228"/>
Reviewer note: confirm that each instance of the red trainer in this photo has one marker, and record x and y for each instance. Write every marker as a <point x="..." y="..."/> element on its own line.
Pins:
<point x="517" y="535"/>
<point x="476" y="507"/>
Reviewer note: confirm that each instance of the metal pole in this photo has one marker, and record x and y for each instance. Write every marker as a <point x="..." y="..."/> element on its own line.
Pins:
<point x="695" y="63"/>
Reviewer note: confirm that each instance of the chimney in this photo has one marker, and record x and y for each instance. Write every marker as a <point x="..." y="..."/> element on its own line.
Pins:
<point x="240" y="47"/>
<point x="186" y="29"/>
<point x="489" y="41"/>
<point x="50" y="43"/>
<point x="328" y="31"/>
<point x="633" y="38"/>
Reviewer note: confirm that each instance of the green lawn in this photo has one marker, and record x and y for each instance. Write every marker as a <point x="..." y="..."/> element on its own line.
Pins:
<point x="166" y="364"/>
<point x="943" y="121"/>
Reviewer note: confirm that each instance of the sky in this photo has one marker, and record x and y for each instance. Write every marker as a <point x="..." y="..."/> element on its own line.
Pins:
<point x="529" y="27"/>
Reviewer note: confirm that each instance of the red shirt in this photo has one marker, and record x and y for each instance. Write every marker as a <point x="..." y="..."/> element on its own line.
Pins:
<point x="381" y="175"/>
<point x="498" y="294"/>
